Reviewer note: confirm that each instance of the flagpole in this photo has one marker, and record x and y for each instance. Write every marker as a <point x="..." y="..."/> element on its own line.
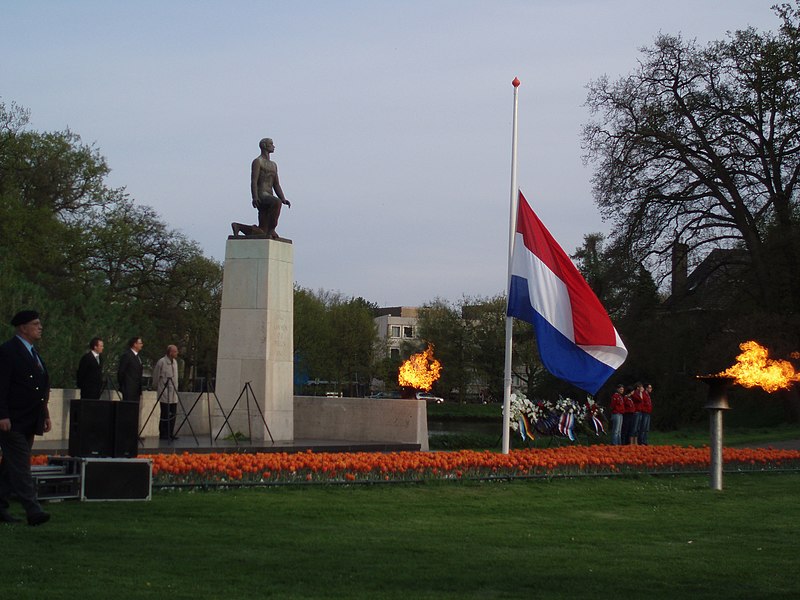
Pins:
<point x="512" y="228"/>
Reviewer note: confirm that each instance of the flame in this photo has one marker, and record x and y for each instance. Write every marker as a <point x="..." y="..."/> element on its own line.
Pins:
<point x="420" y="371"/>
<point x="754" y="368"/>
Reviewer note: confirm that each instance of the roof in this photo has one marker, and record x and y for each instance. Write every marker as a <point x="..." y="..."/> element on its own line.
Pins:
<point x="716" y="283"/>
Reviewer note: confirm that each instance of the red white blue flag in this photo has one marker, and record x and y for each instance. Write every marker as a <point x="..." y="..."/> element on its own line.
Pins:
<point x="577" y="341"/>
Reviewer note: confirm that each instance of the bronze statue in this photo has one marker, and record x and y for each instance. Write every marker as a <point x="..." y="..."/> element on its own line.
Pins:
<point x="247" y="230"/>
<point x="263" y="182"/>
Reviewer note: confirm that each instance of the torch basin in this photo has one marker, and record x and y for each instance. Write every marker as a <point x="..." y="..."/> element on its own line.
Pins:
<point x="717" y="391"/>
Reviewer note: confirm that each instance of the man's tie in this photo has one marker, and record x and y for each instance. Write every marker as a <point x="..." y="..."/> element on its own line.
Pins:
<point x="37" y="359"/>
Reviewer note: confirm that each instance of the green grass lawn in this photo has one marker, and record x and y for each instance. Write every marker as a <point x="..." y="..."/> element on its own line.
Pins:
<point x="641" y="537"/>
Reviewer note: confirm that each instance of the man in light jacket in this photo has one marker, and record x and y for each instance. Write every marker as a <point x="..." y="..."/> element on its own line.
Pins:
<point x="165" y="383"/>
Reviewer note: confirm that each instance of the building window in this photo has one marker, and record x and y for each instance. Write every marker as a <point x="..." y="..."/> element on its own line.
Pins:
<point x="408" y="331"/>
<point x="394" y="331"/>
<point x="394" y="352"/>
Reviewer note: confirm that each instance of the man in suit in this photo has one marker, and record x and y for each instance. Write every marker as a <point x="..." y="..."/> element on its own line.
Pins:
<point x="129" y="372"/>
<point x="90" y="371"/>
<point x="24" y="392"/>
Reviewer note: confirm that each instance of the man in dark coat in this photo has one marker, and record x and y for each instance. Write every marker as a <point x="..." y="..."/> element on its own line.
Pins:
<point x="24" y="392"/>
<point x="90" y="371"/>
<point x="129" y="373"/>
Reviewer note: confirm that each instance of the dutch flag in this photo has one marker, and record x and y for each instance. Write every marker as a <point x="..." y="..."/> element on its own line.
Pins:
<point x="577" y="341"/>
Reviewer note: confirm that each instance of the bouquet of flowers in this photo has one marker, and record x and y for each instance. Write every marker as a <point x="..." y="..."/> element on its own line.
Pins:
<point x="557" y="418"/>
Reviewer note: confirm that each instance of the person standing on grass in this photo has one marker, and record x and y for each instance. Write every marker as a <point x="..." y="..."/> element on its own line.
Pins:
<point x="24" y="393"/>
<point x="627" y="416"/>
<point x="638" y="398"/>
<point x="617" y="413"/>
<point x="647" y="409"/>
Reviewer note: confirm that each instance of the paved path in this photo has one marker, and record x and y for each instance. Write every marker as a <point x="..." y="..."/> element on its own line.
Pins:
<point x="780" y="445"/>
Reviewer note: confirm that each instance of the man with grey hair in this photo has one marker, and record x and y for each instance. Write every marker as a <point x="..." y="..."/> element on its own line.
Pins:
<point x="263" y="182"/>
<point x="24" y="393"/>
<point x="165" y="383"/>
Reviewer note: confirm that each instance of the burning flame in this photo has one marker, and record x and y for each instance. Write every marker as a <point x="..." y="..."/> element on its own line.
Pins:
<point x="420" y="371"/>
<point x="754" y="368"/>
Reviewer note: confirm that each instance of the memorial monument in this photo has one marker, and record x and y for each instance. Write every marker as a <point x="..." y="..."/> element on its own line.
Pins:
<point x="255" y="358"/>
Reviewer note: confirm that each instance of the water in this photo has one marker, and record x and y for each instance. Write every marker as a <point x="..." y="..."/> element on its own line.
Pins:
<point x="463" y="427"/>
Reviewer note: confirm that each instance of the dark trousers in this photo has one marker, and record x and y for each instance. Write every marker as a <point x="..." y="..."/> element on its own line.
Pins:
<point x="166" y="424"/>
<point x="627" y="424"/>
<point x="15" y="471"/>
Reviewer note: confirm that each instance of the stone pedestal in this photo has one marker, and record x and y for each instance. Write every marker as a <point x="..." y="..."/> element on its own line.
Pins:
<point x="256" y="338"/>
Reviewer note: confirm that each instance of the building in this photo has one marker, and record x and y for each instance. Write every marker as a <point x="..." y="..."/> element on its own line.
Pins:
<point x="395" y="325"/>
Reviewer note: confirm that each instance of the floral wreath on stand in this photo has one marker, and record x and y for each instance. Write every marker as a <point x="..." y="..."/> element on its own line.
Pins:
<point x="556" y="419"/>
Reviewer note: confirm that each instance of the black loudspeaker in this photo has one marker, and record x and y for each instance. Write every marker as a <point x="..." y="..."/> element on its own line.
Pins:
<point x="126" y="429"/>
<point x="100" y="428"/>
<point x="112" y="479"/>
<point x="90" y="428"/>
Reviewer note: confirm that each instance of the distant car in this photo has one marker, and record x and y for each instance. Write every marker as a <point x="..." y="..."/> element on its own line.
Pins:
<point x="385" y="395"/>
<point x="429" y="398"/>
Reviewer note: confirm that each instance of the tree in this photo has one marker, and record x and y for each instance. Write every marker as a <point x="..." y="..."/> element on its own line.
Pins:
<point x="92" y="261"/>
<point x="335" y="339"/>
<point x="441" y="325"/>
<point x="469" y="341"/>
<point x="625" y="288"/>
<point x="486" y="321"/>
<point x="353" y="344"/>
<point x="701" y="145"/>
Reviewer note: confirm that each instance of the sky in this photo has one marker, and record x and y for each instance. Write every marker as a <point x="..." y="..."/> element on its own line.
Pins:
<point x="392" y="120"/>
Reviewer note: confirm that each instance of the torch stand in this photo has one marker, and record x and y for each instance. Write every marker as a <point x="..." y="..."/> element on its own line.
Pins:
<point x="717" y="403"/>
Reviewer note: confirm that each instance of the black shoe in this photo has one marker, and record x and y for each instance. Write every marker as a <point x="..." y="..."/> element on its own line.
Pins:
<point x="38" y="518"/>
<point x="6" y="517"/>
<point x="175" y="437"/>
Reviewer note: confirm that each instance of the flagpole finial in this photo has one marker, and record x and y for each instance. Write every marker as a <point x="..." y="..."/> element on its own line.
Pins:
<point x="515" y="83"/>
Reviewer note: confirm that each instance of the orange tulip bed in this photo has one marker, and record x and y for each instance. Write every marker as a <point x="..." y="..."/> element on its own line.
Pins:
<point x="308" y="467"/>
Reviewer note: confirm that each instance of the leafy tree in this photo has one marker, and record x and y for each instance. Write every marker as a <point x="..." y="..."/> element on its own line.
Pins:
<point x="92" y="261"/>
<point x="469" y="340"/>
<point x="441" y="325"/>
<point x="353" y="344"/>
<point x="188" y="311"/>
<point x="310" y="328"/>
<point x="486" y="334"/>
<point x="335" y="339"/>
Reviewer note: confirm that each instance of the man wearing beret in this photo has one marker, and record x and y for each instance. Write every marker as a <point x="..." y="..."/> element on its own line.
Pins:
<point x="24" y="392"/>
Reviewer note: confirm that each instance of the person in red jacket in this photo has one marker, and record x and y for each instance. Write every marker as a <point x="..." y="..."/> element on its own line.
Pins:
<point x="638" y="398"/>
<point x="617" y="412"/>
<point x="627" y="416"/>
<point x="647" y="409"/>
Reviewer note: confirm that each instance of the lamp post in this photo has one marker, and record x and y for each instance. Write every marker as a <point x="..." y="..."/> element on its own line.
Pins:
<point x="716" y="404"/>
